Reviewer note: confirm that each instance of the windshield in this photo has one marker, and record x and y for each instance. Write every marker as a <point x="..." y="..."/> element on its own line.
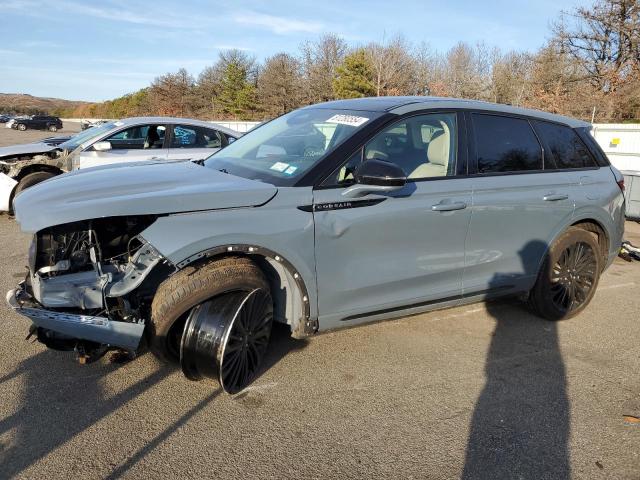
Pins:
<point x="86" y="135"/>
<point x="281" y="151"/>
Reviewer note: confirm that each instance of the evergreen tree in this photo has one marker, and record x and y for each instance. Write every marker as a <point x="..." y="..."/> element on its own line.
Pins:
<point x="237" y="88"/>
<point x="354" y="76"/>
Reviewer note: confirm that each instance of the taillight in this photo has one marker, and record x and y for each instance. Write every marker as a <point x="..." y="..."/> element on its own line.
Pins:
<point x="621" y="184"/>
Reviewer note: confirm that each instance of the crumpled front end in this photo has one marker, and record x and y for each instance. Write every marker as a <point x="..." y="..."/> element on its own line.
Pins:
<point x="58" y="327"/>
<point x="88" y="285"/>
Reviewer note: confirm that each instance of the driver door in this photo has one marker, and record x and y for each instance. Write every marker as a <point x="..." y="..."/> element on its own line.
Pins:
<point x="382" y="255"/>
<point x="133" y="144"/>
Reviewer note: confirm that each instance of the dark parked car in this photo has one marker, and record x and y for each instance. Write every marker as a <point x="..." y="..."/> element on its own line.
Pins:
<point x="38" y="122"/>
<point x="4" y="118"/>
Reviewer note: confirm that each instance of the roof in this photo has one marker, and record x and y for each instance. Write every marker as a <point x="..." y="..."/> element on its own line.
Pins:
<point x="401" y="105"/>
<point x="183" y="121"/>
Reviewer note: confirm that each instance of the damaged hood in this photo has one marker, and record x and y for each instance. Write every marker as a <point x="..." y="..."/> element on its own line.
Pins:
<point x="142" y="188"/>
<point x="26" y="149"/>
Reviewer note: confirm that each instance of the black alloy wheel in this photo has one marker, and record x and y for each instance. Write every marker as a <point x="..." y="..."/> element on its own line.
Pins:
<point x="226" y="338"/>
<point x="573" y="277"/>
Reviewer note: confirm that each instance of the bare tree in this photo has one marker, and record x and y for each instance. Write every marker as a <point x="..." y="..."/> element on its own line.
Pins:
<point x="207" y="91"/>
<point x="605" y="39"/>
<point x="511" y="77"/>
<point x="468" y="71"/>
<point x="172" y="93"/>
<point x="320" y="60"/>
<point x="280" y="86"/>
<point x="429" y="66"/>
<point x="394" y="69"/>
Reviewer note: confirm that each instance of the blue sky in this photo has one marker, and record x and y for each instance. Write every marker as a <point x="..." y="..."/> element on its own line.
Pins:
<point x="87" y="50"/>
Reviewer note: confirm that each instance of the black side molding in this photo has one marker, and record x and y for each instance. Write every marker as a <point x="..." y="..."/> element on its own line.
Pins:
<point x="490" y="293"/>
<point x="323" y="207"/>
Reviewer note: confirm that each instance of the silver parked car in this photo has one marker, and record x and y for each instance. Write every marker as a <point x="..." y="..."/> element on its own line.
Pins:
<point x="329" y="216"/>
<point x="128" y="140"/>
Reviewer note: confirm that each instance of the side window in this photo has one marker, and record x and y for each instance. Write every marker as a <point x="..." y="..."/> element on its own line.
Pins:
<point x="345" y="174"/>
<point x="138" y="137"/>
<point x="505" y="144"/>
<point x="565" y="146"/>
<point x="424" y="146"/>
<point x="189" y="136"/>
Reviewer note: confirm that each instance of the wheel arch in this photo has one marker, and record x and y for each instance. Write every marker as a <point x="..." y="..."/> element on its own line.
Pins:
<point x="36" y="167"/>
<point x="600" y="232"/>
<point x="288" y="288"/>
<point x="589" y="223"/>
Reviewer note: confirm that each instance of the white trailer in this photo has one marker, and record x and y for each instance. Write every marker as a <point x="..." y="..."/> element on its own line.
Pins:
<point x="621" y="143"/>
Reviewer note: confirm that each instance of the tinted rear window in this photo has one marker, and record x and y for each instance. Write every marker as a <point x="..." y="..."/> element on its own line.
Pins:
<point x="564" y="145"/>
<point x="505" y="144"/>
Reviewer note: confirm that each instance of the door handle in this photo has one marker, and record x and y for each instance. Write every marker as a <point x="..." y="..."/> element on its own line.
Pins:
<point x="554" y="197"/>
<point x="447" y="207"/>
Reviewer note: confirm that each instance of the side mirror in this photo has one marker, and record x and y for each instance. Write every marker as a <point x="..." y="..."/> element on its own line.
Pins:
<point x="376" y="176"/>
<point x="102" y="146"/>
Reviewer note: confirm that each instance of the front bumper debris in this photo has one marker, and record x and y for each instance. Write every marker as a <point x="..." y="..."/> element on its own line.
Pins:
<point x="7" y="184"/>
<point x="83" y="327"/>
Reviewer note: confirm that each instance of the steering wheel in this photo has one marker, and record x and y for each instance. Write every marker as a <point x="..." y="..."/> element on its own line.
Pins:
<point x="312" y="151"/>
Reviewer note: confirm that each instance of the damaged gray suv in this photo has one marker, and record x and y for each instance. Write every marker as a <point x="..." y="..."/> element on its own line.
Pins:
<point x="329" y="216"/>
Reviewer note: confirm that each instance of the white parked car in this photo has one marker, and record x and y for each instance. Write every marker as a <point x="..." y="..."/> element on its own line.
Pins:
<point x="128" y="140"/>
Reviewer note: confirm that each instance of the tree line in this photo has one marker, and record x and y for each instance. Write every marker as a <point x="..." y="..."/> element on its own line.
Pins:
<point x="588" y="68"/>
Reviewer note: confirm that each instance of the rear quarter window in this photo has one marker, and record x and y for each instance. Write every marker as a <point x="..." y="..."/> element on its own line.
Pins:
<point x="565" y="147"/>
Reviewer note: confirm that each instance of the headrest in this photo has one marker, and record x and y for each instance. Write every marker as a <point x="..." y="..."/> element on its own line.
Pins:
<point x="438" y="149"/>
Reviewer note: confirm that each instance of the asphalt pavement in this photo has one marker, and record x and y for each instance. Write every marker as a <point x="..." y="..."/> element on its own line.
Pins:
<point x="480" y="391"/>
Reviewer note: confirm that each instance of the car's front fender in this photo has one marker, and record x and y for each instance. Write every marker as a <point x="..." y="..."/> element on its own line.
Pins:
<point x="278" y="227"/>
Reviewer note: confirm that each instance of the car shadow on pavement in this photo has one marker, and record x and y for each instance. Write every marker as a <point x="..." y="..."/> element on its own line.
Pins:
<point x="281" y="344"/>
<point x="55" y="406"/>
<point x="520" y="425"/>
<point x="59" y="402"/>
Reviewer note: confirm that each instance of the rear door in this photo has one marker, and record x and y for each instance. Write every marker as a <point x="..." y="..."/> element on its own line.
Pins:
<point x="519" y="204"/>
<point x="193" y="142"/>
<point x="131" y="144"/>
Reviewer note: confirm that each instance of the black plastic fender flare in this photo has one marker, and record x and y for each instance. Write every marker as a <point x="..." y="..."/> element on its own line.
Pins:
<point x="310" y="325"/>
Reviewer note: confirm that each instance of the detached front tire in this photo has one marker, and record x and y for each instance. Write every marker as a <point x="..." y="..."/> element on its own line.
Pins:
<point x="215" y="318"/>
<point x="569" y="276"/>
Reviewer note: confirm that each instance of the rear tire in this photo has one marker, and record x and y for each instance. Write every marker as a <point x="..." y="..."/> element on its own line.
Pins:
<point x="189" y="287"/>
<point x="569" y="276"/>
<point x="53" y="128"/>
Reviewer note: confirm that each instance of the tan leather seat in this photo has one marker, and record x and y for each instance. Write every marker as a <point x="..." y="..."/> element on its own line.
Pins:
<point x="437" y="154"/>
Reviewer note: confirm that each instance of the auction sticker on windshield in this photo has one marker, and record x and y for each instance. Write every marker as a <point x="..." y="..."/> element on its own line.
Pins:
<point x="351" y="120"/>
<point x="279" y="166"/>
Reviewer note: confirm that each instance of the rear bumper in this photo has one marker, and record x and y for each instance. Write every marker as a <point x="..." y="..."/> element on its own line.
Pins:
<point x="7" y="184"/>
<point x="83" y="327"/>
